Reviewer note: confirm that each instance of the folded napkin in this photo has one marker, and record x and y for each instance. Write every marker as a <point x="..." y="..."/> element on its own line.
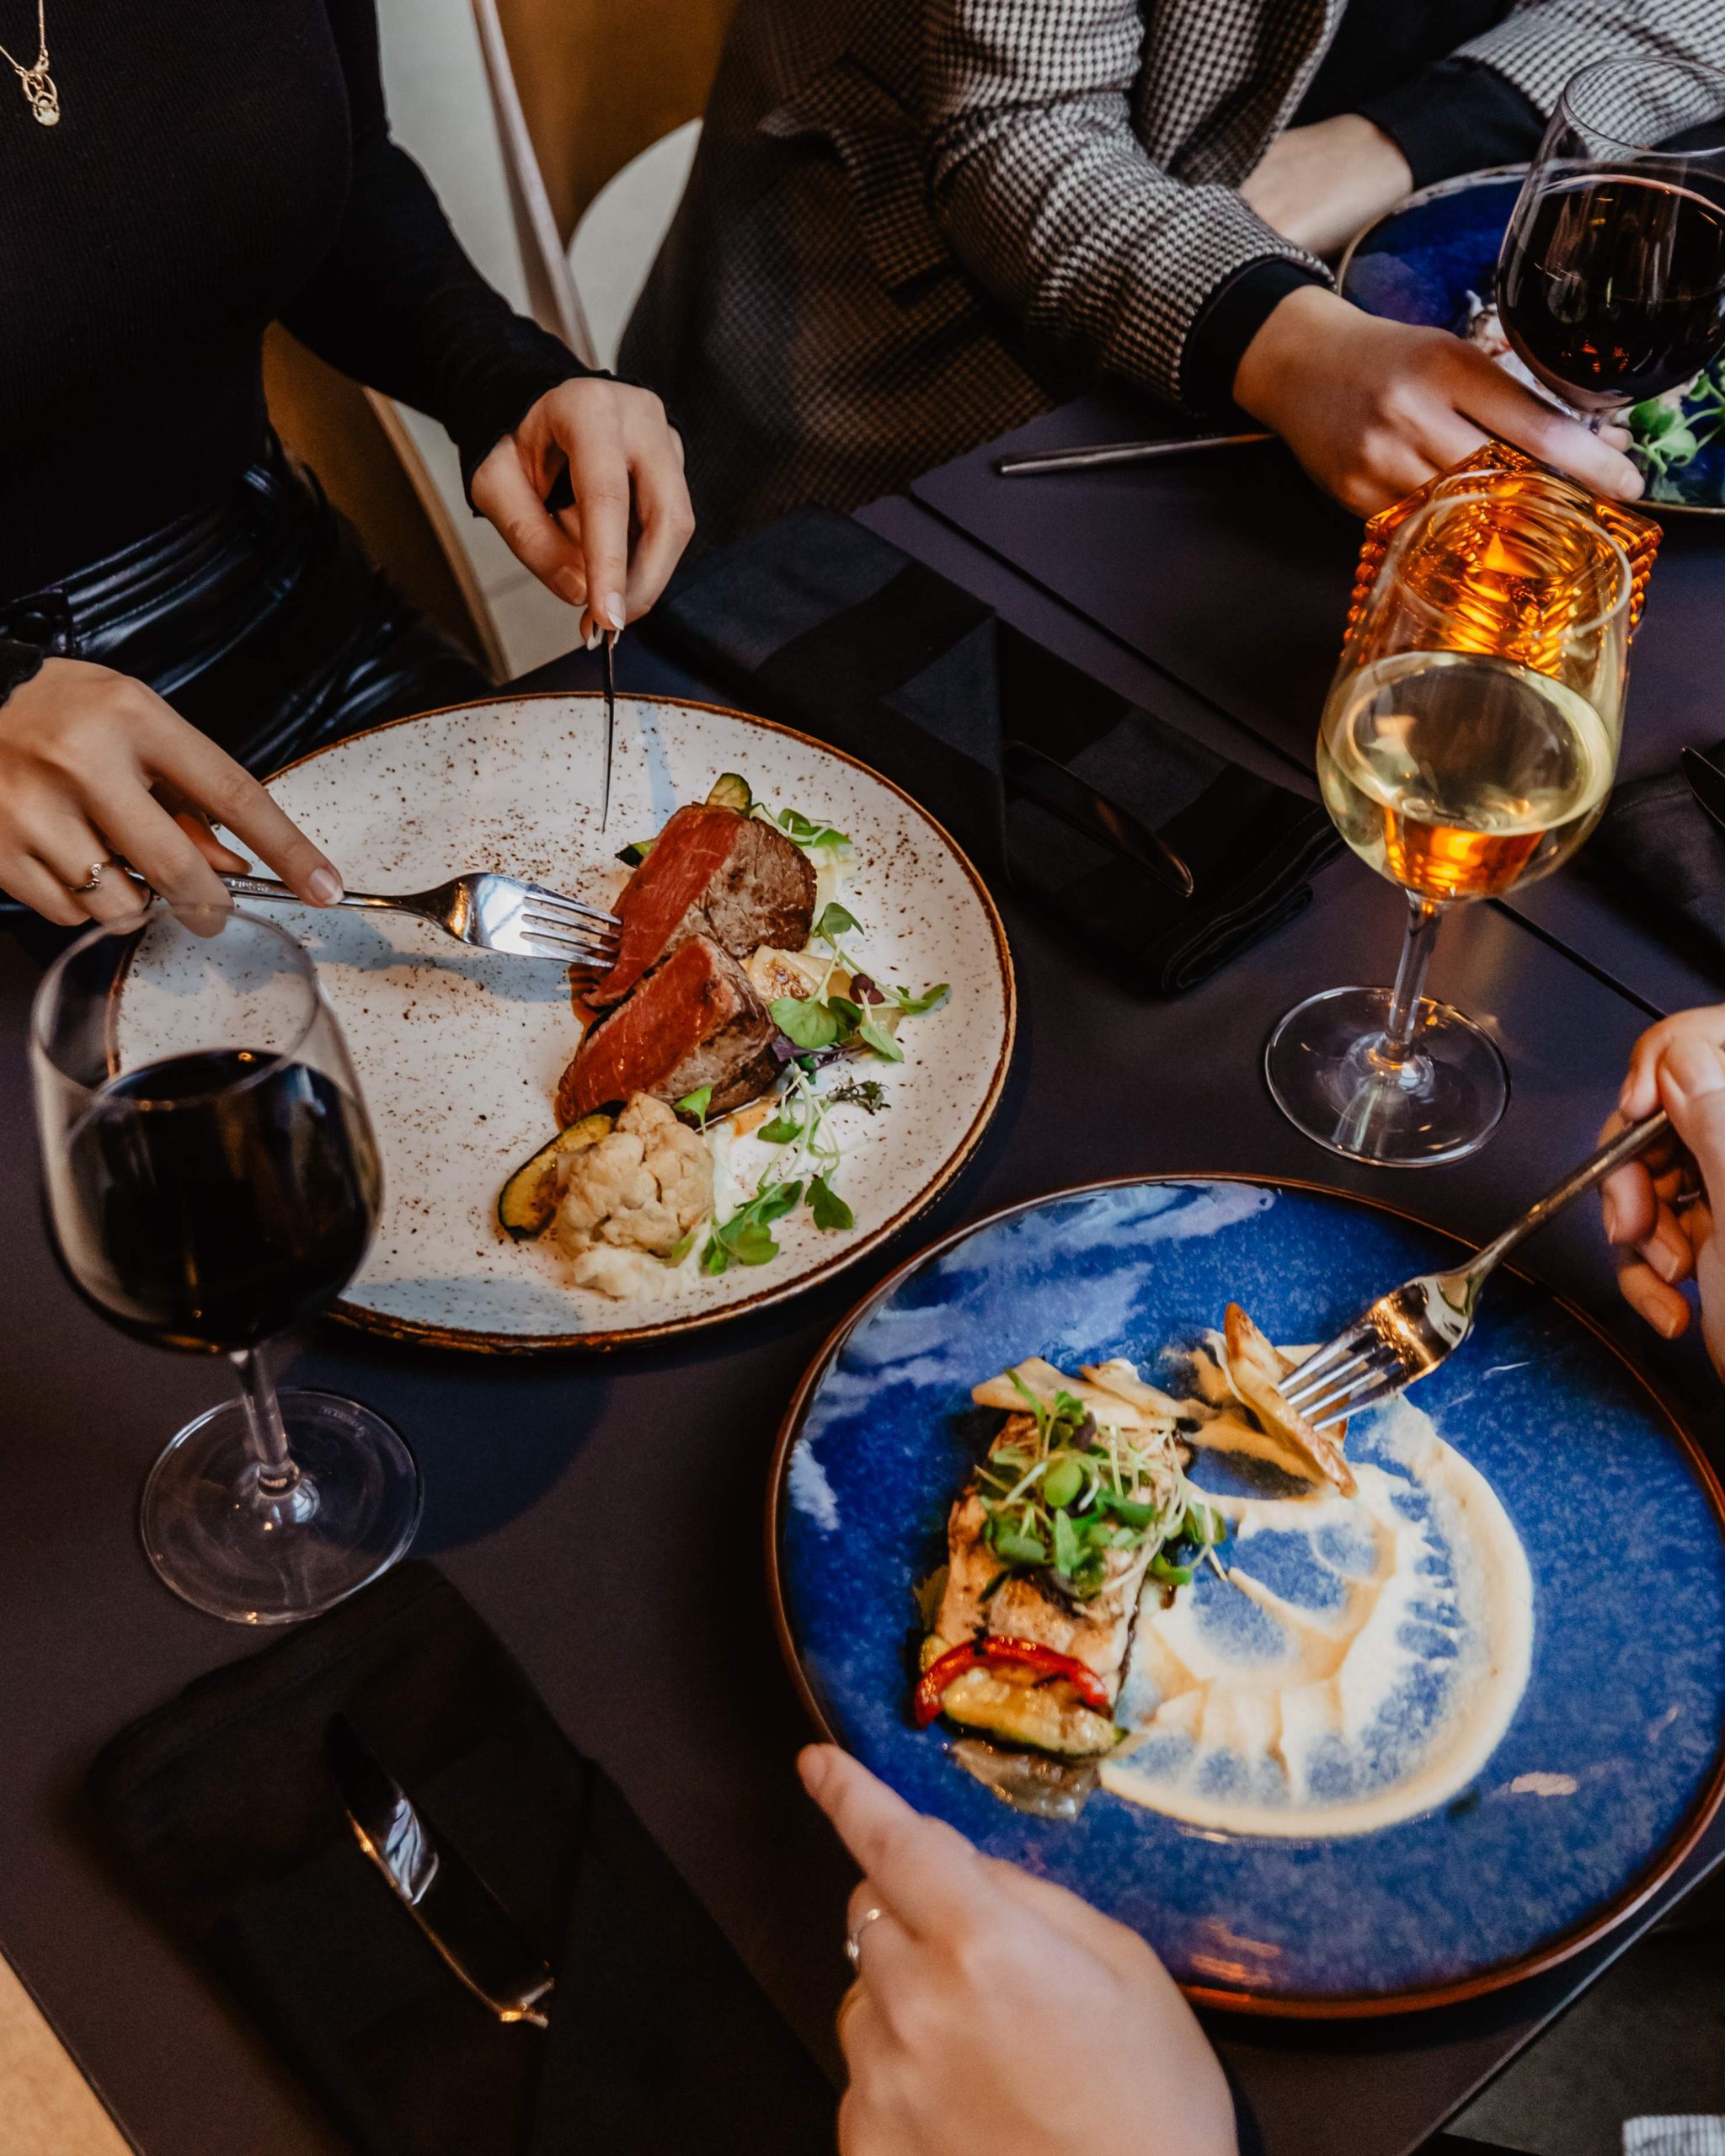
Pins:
<point x="820" y="624"/>
<point x="221" y="1807"/>
<point x="1658" y="844"/>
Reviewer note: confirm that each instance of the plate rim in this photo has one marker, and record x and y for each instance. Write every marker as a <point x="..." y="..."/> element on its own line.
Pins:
<point x="1460" y="184"/>
<point x="421" y="1332"/>
<point x="1288" y="2005"/>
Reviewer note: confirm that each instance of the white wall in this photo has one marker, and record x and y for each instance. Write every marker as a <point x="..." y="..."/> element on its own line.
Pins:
<point x="441" y="110"/>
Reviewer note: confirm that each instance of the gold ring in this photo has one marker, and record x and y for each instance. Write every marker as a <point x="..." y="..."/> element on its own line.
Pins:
<point x="854" y="1938"/>
<point x="77" y="891"/>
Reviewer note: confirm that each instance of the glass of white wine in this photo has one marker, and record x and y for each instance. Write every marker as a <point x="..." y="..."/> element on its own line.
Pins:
<point x="1467" y="747"/>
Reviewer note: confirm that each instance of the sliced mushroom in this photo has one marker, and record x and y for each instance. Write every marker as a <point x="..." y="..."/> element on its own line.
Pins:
<point x="1255" y="1369"/>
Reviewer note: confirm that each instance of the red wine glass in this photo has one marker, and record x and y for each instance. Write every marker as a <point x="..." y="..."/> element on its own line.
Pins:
<point x="1611" y="281"/>
<point x="212" y="1181"/>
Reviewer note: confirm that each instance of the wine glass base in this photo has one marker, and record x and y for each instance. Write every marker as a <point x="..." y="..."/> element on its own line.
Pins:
<point x="258" y="1555"/>
<point x="1326" y="1070"/>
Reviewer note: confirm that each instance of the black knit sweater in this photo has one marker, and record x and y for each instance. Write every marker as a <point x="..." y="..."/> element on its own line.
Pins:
<point x="219" y="163"/>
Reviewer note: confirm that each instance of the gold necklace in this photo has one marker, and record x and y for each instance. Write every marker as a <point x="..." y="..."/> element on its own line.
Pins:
<point x="39" y="93"/>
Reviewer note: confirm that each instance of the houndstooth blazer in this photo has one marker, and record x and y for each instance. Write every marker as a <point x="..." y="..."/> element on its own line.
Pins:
<point x="913" y="223"/>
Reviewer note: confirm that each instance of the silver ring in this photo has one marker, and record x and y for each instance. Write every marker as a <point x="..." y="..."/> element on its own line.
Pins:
<point x="854" y="1938"/>
<point x="77" y="891"/>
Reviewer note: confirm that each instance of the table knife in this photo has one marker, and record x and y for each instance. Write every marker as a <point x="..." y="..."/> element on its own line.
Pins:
<point x="610" y="723"/>
<point x="1052" y="786"/>
<point x="451" y="1905"/>
<point x="1707" y="783"/>
<point x="1099" y="454"/>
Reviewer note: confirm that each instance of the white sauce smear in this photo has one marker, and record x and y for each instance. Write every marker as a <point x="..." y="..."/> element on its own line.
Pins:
<point x="1359" y="1666"/>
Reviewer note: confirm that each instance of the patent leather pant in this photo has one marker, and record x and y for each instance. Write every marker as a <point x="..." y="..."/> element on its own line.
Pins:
<point x="260" y="619"/>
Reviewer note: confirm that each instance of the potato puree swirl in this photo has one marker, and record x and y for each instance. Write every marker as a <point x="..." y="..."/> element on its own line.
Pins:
<point x="1359" y="1666"/>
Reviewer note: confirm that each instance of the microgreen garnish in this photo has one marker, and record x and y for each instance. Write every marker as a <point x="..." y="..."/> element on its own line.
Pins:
<point x="1670" y="436"/>
<point x="830" y="1210"/>
<point x="868" y="1094"/>
<point x="805" y="833"/>
<point x="1069" y="1499"/>
<point x="682" y="1247"/>
<point x="746" y="1238"/>
<point x="697" y="1104"/>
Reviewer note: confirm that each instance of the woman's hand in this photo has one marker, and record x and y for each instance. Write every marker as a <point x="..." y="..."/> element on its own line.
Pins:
<point x="997" y="2012"/>
<point x="1321" y="184"/>
<point x="93" y="764"/>
<point x="619" y="451"/>
<point x="1659" y="1209"/>
<point x="1374" y="409"/>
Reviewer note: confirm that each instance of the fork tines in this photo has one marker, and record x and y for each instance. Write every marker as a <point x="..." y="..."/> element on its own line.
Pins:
<point x="578" y="945"/>
<point x="576" y="911"/>
<point x="1353" y="1372"/>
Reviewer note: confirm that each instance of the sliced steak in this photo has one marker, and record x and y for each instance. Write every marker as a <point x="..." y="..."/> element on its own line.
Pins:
<point x="695" y="1021"/>
<point x="716" y="873"/>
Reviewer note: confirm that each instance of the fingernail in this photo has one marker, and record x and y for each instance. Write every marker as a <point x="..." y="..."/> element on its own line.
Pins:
<point x="325" y="887"/>
<point x="1667" y="1262"/>
<point x="591" y="635"/>
<point x="615" y="612"/>
<point x="1609" y="1209"/>
<point x="1695" y="1068"/>
<point x="1669" y="1323"/>
<point x="812" y="1766"/>
<point x="573" y="586"/>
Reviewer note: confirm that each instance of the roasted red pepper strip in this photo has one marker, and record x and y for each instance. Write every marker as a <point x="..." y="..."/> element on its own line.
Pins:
<point x="1024" y="1654"/>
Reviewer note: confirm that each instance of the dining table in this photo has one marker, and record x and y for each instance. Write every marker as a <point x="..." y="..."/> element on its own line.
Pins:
<point x="1210" y="590"/>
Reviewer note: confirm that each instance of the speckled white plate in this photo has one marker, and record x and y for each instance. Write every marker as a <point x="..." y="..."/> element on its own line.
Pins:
<point x="459" y="1051"/>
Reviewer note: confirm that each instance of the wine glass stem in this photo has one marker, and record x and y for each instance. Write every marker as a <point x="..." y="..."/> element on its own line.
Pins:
<point x="277" y="1476"/>
<point x="1424" y="915"/>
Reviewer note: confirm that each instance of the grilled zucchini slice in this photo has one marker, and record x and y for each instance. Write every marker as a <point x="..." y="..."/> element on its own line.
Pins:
<point x="528" y="1199"/>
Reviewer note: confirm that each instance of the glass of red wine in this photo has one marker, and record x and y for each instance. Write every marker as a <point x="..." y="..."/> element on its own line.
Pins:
<point x="211" y="1182"/>
<point x="1611" y="280"/>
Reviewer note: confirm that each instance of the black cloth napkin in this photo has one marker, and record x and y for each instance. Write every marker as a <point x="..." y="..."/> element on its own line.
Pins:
<point x="1660" y="846"/>
<point x="818" y="623"/>
<point x="221" y="1808"/>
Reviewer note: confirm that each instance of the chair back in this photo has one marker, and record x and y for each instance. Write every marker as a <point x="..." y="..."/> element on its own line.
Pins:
<point x="371" y="467"/>
<point x="580" y="87"/>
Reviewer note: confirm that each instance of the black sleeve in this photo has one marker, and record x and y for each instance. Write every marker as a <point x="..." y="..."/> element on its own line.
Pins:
<point x="1453" y="116"/>
<point x="397" y="304"/>
<point x="1230" y="317"/>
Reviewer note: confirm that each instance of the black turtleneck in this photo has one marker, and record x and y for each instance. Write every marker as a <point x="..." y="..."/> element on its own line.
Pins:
<point x="217" y="166"/>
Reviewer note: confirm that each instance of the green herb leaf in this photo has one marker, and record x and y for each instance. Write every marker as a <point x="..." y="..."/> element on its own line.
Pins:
<point x="697" y="1103"/>
<point x="868" y="1094"/>
<point x="715" y="1258"/>
<point x="780" y="1130"/>
<point x="914" y="1007"/>
<point x="1130" y="1510"/>
<point x="1019" y="1548"/>
<point x="830" y="1210"/>
<point x="773" y="1202"/>
<point x="1069" y="1549"/>
<point x="879" y="1040"/>
<point x="836" y="922"/>
<point x="682" y="1247"/>
<point x="799" y="828"/>
<point x="1063" y="1481"/>
<point x="810" y="1025"/>
<point x="1170" y="1575"/>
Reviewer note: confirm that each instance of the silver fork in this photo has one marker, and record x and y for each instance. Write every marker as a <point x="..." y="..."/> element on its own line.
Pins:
<point x="1406" y="1334"/>
<point x="493" y="913"/>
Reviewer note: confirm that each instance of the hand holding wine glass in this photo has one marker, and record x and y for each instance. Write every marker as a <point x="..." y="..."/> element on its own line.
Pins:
<point x="212" y="1181"/>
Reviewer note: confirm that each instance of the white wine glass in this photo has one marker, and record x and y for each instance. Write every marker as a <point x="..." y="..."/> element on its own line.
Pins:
<point x="1467" y="747"/>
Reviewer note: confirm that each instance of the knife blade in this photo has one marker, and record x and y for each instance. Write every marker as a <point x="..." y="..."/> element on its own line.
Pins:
<point x="610" y="723"/>
<point x="473" y="1933"/>
<point x="1707" y="783"/>
<point x="1096" y="456"/>
<point x="1063" y="793"/>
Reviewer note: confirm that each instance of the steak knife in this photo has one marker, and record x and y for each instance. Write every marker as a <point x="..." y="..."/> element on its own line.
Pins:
<point x="1052" y="786"/>
<point x="610" y="723"/>
<point x="1707" y="783"/>
<point x="470" y="1928"/>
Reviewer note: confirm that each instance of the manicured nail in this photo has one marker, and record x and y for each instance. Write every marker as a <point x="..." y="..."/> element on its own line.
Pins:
<point x="591" y="635"/>
<point x="1669" y="1323"/>
<point x="615" y="611"/>
<point x="325" y="887"/>
<point x="1668" y="1263"/>
<point x="1609" y="1207"/>
<point x="1695" y="1068"/>
<point x="573" y="586"/>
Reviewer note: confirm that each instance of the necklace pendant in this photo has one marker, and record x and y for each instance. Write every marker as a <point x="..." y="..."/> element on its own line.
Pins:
<point x="44" y="98"/>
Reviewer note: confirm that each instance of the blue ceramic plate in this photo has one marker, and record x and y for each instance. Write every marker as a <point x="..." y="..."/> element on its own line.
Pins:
<point x="1612" y="1764"/>
<point x="1419" y="265"/>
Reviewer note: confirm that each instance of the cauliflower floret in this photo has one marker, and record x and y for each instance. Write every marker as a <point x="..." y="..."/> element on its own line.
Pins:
<point x="641" y="1188"/>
